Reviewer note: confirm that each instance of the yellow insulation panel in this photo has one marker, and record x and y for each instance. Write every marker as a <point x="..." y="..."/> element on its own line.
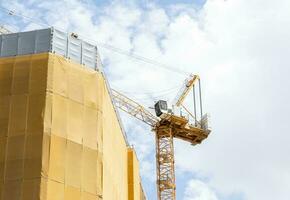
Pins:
<point x="114" y="154"/>
<point x="22" y="102"/>
<point x="74" y="131"/>
<point x="135" y="191"/>
<point x="60" y="138"/>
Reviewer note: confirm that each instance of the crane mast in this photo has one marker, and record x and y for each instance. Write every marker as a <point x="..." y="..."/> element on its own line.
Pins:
<point x="165" y="163"/>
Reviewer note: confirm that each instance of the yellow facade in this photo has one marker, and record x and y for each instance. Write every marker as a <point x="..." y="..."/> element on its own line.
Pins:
<point x="59" y="134"/>
<point x="135" y="191"/>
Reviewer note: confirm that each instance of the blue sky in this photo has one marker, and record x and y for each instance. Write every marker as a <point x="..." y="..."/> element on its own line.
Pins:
<point x="170" y="2"/>
<point x="240" y="49"/>
<point x="160" y="2"/>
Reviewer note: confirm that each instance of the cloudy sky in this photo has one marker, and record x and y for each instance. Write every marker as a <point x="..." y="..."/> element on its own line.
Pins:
<point x="241" y="50"/>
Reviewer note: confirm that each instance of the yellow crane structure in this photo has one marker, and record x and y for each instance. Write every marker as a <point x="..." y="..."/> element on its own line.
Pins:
<point x="168" y="125"/>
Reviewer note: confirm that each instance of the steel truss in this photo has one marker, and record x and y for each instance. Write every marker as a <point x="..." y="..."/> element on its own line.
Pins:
<point x="165" y="163"/>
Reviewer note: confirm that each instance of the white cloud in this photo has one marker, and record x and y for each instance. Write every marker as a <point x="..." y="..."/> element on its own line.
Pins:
<point x="241" y="51"/>
<point x="198" y="190"/>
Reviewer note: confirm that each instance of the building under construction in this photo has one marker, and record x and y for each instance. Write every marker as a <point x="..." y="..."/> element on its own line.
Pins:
<point x="60" y="133"/>
<point x="60" y="136"/>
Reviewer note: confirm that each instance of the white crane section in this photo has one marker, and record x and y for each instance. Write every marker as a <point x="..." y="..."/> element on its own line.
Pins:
<point x="186" y="87"/>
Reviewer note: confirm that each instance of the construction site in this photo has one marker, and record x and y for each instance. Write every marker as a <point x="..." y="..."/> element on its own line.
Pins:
<point x="61" y="135"/>
<point x="144" y="100"/>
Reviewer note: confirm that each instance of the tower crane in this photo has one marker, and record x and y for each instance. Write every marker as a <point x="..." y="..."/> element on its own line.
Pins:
<point x="168" y="125"/>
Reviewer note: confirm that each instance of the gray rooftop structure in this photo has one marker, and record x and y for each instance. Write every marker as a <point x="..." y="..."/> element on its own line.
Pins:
<point x="50" y="40"/>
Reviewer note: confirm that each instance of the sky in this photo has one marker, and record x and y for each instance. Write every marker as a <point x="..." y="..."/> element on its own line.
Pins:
<point x="241" y="51"/>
